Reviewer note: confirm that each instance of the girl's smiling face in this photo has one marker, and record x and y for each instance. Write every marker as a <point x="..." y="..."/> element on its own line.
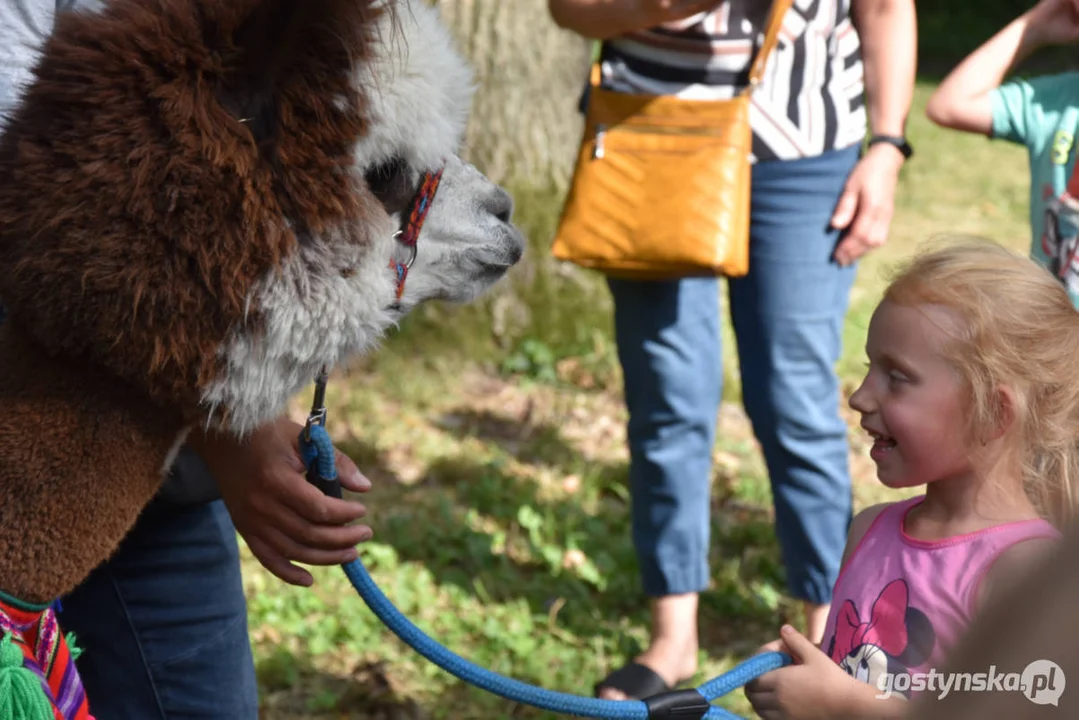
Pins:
<point x="912" y="400"/>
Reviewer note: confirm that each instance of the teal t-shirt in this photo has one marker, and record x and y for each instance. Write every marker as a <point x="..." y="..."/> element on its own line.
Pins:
<point x="1043" y="115"/>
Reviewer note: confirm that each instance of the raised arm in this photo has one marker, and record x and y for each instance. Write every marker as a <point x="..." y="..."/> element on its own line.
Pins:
<point x="962" y="101"/>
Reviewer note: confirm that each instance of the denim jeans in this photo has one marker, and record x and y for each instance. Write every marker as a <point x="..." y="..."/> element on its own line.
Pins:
<point x="787" y="315"/>
<point x="163" y="623"/>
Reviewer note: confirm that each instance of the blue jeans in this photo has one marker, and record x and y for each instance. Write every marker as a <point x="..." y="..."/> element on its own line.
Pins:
<point x="787" y="315"/>
<point x="163" y="623"/>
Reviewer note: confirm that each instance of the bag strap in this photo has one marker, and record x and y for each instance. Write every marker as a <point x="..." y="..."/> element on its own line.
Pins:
<point x="771" y="39"/>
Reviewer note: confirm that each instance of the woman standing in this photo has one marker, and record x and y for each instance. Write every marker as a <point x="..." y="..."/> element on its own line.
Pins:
<point x="842" y="69"/>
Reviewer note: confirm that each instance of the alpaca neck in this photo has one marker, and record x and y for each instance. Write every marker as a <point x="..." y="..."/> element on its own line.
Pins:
<point x="82" y="454"/>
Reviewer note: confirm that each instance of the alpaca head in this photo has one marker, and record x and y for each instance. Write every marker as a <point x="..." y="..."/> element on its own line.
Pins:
<point x="206" y="197"/>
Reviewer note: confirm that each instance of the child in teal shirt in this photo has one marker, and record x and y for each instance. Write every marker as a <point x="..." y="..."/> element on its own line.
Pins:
<point x="1042" y="114"/>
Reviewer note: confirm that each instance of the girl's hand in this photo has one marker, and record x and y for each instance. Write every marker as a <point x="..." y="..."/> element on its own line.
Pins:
<point x="1054" y="22"/>
<point x="814" y="688"/>
<point x="774" y="646"/>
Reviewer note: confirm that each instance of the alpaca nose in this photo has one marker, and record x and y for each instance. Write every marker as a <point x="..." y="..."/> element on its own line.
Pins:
<point x="500" y="204"/>
<point x="517" y="247"/>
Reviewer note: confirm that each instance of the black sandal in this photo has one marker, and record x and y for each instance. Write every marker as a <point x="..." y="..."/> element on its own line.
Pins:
<point x="635" y="680"/>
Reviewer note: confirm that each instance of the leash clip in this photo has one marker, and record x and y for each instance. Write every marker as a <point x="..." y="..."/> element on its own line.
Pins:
<point x="317" y="416"/>
<point x="310" y="449"/>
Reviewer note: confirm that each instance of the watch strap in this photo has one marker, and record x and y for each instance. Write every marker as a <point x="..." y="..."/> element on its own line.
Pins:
<point x="900" y="143"/>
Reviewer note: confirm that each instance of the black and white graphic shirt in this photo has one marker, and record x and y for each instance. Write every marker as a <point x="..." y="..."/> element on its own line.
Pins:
<point x="811" y="98"/>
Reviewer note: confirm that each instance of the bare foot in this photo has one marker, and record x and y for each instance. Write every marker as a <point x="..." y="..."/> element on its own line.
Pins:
<point x="672" y="653"/>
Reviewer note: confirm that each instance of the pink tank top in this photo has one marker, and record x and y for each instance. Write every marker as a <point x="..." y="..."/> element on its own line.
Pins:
<point x="900" y="603"/>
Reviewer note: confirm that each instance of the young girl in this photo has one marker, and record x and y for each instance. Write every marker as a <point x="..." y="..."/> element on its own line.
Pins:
<point x="971" y="391"/>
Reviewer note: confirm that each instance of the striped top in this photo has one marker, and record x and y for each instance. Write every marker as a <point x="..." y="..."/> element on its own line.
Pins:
<point x="811" y="98"/>
<point x="46" y="654"/>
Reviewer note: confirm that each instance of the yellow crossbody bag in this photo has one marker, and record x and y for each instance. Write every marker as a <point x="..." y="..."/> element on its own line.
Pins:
<point x="661" y="185"/>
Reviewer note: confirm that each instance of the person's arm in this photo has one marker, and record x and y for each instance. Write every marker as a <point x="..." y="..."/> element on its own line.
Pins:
<point x="604" y="19"/>
<point x="963" y="100"/>
<point x="889" y="37"/>
<point x="814" y="687"/>
<point x="865" y="702"/>
<point x="859" y="526"/>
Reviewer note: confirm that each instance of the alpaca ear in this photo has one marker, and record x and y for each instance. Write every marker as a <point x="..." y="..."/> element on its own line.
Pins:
<point x="263" y="44"/>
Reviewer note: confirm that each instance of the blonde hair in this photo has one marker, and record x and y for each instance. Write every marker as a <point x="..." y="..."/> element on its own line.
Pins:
<point x="1017" y="328"/>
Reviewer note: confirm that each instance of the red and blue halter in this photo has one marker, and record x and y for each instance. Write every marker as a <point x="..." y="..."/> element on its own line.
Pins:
<point x="410" y="233"/>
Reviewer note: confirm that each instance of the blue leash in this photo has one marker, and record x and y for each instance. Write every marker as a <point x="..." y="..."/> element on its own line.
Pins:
<point x="317" y="451"/>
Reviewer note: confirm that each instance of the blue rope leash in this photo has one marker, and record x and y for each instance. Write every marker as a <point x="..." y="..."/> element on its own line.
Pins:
<point x="317" y="451"/>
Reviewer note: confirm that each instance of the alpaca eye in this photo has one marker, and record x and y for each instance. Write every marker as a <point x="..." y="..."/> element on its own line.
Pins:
<point x="391" y="183"/>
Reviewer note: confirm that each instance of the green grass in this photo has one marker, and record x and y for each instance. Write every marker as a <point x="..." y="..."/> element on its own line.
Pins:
<point x="493" y="435"/>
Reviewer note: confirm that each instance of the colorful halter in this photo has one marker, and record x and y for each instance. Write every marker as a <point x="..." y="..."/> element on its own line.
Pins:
<point x="410" y="233"/>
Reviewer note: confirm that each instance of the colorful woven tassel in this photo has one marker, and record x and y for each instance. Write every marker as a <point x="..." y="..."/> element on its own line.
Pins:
<point x="72" y="648"/>
<point x="22" y="697"/>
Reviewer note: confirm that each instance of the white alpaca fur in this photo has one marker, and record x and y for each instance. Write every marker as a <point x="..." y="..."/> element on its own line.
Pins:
<point x="419" y="91"/>
<point x="335" y="298"/>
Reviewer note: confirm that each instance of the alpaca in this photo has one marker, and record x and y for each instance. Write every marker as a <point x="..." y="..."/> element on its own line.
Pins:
<point x="201" y="204"/>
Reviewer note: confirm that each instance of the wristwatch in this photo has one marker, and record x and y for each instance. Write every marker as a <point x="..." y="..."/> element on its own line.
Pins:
<point x="900" y="143"/>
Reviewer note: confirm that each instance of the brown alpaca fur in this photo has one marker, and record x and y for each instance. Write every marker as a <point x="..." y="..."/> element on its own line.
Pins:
<point x="60" y="518"/>
<point x="131" y="238"/>
<point x="201" y="188"/>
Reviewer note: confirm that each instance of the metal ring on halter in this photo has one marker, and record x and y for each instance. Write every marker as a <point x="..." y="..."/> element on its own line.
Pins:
<point x="412" y="252"/>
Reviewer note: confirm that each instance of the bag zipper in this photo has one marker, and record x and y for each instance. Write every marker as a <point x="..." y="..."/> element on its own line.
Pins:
<point x="599" y="150"/>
